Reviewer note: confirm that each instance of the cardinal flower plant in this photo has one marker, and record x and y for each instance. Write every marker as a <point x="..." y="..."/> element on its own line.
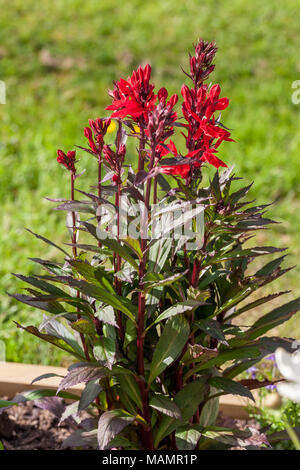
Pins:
<point x="147" y="293"/>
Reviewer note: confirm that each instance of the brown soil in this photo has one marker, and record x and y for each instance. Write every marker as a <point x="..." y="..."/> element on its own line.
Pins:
<point x="27" y="427"/>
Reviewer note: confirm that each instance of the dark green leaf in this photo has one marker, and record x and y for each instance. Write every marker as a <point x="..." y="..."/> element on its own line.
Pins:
<point x="169" y="346"/>
<point x="230" y="387"/>
<point x="165" y="405"/>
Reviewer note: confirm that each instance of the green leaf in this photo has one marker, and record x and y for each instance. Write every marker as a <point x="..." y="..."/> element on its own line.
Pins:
<point x="40" y="237"/>
<point x="164" y="281"/>
<point x="57" y="329"/>
<point x="113" y="245"/>
<point x="89" y="394"/>
<point x="213" y="329"/>
<point x="128" y="383"/>
<point x="93" y="274"/>
<point x="45" y="376"/>
<point x="83" y="326"/>
<point x="106" y="314"/>
<point x="169" y="346"/>
<point x="187" y="400"/>
<point x="7" y="403"/>
<point x="274" y="318"/>
<point x="230" y="387"/>
<point x="224" y="356"/>
<point x="51" y="339"/>
<point x="110" y="424"/>
<point x="187" y="438"/>
<point x="165" y="405"/>
<point x="158" y="254"/>
<point x="210" y="411"/>
<point x="104" y="351"/>
<point x="181" y="307"/>
<point x="42" y="393"/>
<point x="116" y="301"/>
<point x="134" y="245"/>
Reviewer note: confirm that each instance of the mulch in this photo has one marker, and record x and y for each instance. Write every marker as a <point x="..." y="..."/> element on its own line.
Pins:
<point x="27" y="427"/>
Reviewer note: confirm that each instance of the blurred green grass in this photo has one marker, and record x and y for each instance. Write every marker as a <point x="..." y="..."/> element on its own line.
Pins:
<point x="58" y="58"/>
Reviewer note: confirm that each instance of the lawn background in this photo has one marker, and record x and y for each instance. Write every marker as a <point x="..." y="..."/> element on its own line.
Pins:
<point x="57" y="59"/>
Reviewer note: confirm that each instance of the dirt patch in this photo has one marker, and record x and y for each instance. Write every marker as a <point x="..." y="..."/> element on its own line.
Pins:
<point x="27" y="427"/>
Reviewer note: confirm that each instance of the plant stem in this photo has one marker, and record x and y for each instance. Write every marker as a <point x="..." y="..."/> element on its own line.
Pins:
<point x="146" y="434"/>
<point x="74" y="248"/>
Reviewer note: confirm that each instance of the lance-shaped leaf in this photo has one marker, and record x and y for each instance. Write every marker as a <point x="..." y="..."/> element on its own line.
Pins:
<point x="83" y="373"/>
<point x="96" y="292"/>
<point x="112" y="244"/>
<point x="230" y="387"/>
<point x="96" y="275"/>
<point x="158" y="254"/>
<point x="165" y="405"/>
<point x="128" y="383"/>
<point x="60" y="343"/>
<point x="7" y="403"/>
<point x="106" y="314"/>
<point x="89" y="394"/>
<point x="45" y="376"/>
<point x="181" y="307"/>
<point x="213" y="329"/>
<point x="223" y="357"/>
<point x="256" y="303"/>
<point x="165" y="281"/>
<point x="169" y="346"/>
<point x="42" y="285"/>
<point x="187" y="437"/>
<point x="105" y="352"/>
<point x="110" y="424"/>
<point x="134" y="245"/>
<point x="52" y="267"/>
<point x="187" y="400"/>
<point x="43" y="303"/>
<point x="40" y="237"/>
<point x="276" y="317"/>
<point x="77" y="206"/>
<point x="55" y="328"/>
<point x="32" y="395"/>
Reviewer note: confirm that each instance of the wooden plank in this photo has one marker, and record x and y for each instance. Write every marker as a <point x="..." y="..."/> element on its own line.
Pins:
<point x="16" y="378"/>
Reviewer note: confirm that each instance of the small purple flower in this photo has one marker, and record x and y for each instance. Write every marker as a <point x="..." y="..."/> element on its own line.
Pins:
<point x="271" y="387"/>
<point x="271" y="358"/>
<point x="252" y="370"/>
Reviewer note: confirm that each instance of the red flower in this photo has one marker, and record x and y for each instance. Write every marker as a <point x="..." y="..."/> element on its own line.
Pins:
<point x="205" y="134"/>
<point x="209" y="157"/>
<point x="177" y="170"/>
<point x="133" y="97"/>
<point x="67" y="160"/>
